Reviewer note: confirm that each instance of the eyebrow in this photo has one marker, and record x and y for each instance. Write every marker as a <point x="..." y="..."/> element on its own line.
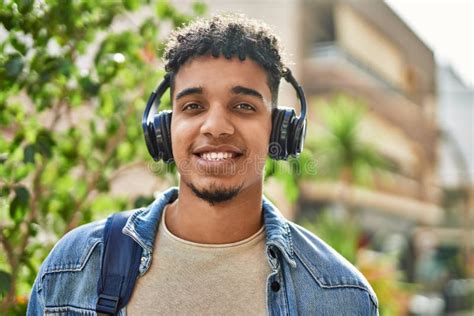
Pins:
<point x="247" y="91"/>
<point x="235" y="90"/>
<point x="188" y="91"/>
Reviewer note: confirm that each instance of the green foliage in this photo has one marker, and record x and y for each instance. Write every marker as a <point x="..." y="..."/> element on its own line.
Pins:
<point x="5" y="280"/>
<point x="165" y="10"/>
<point x="72" y="94"/>
<point x="290" y="172"/>
<point x="340" y="150"/>
<point x="342" y="235"/>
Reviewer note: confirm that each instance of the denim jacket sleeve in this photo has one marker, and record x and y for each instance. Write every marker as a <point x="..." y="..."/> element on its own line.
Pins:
<point x="35" y="304"/>
<point x="67" y="280"/>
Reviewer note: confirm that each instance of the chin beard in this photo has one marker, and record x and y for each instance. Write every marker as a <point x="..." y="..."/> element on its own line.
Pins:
<point x="215" y="195"/>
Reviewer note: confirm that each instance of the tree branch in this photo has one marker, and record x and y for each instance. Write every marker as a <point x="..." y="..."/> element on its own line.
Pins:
<point x="109" y="150"/>
<point x="15" y="258"/>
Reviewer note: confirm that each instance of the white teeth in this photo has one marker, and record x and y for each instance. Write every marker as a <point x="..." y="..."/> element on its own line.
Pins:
<point x="216" y="156"/>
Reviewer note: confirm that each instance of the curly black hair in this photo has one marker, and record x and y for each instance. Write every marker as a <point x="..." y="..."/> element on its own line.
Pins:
<point x="230" y="35"/>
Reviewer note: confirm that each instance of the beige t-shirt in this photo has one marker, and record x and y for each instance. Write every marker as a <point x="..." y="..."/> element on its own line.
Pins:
<point x="187" y="278"/>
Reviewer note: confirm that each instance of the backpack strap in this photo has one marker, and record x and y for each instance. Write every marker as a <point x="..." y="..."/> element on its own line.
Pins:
<point x="120" y="266"/>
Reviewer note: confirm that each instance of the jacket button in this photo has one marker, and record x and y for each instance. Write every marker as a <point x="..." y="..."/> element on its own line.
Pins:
<point x="275" y="286"/>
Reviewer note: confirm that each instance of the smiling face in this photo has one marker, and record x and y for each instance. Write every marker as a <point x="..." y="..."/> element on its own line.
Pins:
<point x="221" y="126"/>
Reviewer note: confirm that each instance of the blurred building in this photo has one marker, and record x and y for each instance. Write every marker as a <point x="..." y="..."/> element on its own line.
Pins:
<point x="456" y="162"/>
<point x="456" y="113"/>
<point x="364" y="49"/>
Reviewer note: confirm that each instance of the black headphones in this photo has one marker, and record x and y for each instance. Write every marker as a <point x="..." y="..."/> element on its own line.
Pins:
<point x="287" y="136"/>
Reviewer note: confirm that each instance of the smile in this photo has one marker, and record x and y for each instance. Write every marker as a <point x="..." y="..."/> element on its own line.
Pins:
<point x="216" y="156"/>
<point x="212" y="155"/>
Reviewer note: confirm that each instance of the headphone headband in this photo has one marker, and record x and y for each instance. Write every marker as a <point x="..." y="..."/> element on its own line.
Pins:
<point x="159" y="91"/>
<point x="299" y="91"/>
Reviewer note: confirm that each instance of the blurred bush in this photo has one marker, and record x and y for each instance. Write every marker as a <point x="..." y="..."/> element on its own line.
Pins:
<point x="73" y="85"/>
<point x="341" y="150"/>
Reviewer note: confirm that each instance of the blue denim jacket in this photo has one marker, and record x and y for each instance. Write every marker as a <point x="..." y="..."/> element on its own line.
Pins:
<point x="308" y="277"/>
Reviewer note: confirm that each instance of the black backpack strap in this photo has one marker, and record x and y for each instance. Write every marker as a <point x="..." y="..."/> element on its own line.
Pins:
<point x="120" y="266"/>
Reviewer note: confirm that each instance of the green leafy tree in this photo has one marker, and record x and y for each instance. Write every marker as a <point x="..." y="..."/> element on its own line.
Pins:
<point x="342" y="236"/>
<point x="341" y="152"/>
<point x="346" y="156"/>
<point x="73" y="85"/>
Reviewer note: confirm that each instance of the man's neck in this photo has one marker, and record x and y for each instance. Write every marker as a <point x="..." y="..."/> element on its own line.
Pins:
<point x="194" y="219"/>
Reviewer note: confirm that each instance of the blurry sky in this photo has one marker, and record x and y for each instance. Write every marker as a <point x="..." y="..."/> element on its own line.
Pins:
<point x="446" y="26"/>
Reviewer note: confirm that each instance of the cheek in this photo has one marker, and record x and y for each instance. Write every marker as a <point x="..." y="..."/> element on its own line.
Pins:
<point x="258" y="138"/>
<point x="258" y="151"/>
<point x="180" y="132"/>
<point x="181" y="138"/>
<point x="260" y="133"/>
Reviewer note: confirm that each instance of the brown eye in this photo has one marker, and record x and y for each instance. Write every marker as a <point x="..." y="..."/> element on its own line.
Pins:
<point x="192" y="106"/>
<point x="245" y="106"/>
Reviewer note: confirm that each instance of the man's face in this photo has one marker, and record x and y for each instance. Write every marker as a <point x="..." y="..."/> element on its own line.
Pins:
<point x="221" y="126"/>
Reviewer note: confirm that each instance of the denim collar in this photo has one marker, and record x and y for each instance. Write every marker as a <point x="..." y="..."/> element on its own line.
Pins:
<point x="142" y="225"/>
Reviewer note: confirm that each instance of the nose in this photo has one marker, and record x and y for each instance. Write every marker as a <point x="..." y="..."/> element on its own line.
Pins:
<point x="217" y="123"/>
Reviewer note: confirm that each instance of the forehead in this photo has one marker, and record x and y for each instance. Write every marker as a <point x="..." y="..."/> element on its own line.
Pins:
<point x="209" y="72"/>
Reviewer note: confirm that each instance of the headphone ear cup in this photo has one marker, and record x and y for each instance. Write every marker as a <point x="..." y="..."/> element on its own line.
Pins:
<point x="296" y="131"/>
<point x="292" y="138"/>
<point x="281" y="132"/>
<point x="158" y="139"/>
<point x="299" y="133"/>
<point x="162" y="139"/>
<point x="274" y="148"/>
<point x="166" y="132"/>
<point x="150" y="139"/>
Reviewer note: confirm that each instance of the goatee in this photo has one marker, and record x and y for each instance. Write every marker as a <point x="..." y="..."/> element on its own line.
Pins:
<point x="215" y="195"/>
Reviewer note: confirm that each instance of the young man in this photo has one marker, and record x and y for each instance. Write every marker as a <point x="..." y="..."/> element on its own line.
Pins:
<point x="215" y="245"/>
